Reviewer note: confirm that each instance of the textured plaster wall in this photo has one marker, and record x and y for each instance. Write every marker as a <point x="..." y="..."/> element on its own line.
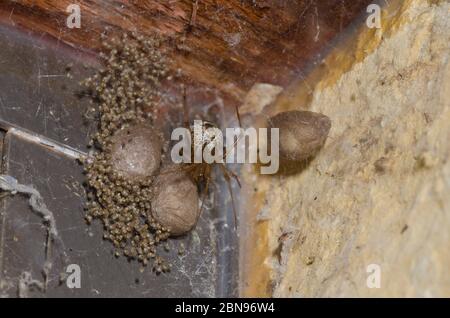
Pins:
<point x="379" y="191"/>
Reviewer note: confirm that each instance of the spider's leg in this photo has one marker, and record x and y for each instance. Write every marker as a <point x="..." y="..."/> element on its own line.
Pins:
<point x="228" y="179"/>
<point x="238" y="137"/>
<point x="235" y="177"/>
<point x="238" y="116"/>
<point x="185" y="109"/>
<point x="204" y="196"/>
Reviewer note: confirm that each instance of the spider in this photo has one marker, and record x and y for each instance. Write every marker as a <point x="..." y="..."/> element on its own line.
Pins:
<point x="201" y="173"/>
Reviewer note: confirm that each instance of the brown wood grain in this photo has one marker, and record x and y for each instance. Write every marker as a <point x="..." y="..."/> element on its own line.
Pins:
<point x="231" y="44"/>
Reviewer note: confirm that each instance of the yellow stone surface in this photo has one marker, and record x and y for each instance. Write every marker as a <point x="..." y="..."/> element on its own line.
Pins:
<point x="379" y="191"/>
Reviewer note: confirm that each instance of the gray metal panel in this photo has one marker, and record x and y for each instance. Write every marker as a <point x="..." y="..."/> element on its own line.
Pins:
<point x="48" y="106"/>
<point x="38" y="86"/>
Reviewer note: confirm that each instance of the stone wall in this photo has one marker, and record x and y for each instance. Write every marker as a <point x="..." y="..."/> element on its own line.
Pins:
<point x="379" y="191"/>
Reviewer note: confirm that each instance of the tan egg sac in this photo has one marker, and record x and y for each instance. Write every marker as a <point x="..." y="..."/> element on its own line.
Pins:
<point x="175" y="204"/>
<point x="302" y="133"/>
<point x="136" y="152"/>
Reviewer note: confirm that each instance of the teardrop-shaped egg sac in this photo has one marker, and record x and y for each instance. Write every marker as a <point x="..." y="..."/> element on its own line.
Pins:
<point x="136" y="152"/>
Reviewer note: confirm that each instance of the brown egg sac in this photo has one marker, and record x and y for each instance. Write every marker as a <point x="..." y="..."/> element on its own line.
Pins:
<point x="175" y="204"/>
<point x="136" y="152"/>
<point x="302" y="133"/>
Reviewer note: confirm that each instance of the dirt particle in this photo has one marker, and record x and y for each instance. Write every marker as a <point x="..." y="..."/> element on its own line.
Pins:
<point x="404" y="228"/>
<point x="380" y="165"/>
<point x="310" y="260"/>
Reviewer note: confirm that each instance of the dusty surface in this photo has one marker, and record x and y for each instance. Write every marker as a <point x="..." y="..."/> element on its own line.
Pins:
<point x="44" y="125"/>
<point x="378" y="191"/>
